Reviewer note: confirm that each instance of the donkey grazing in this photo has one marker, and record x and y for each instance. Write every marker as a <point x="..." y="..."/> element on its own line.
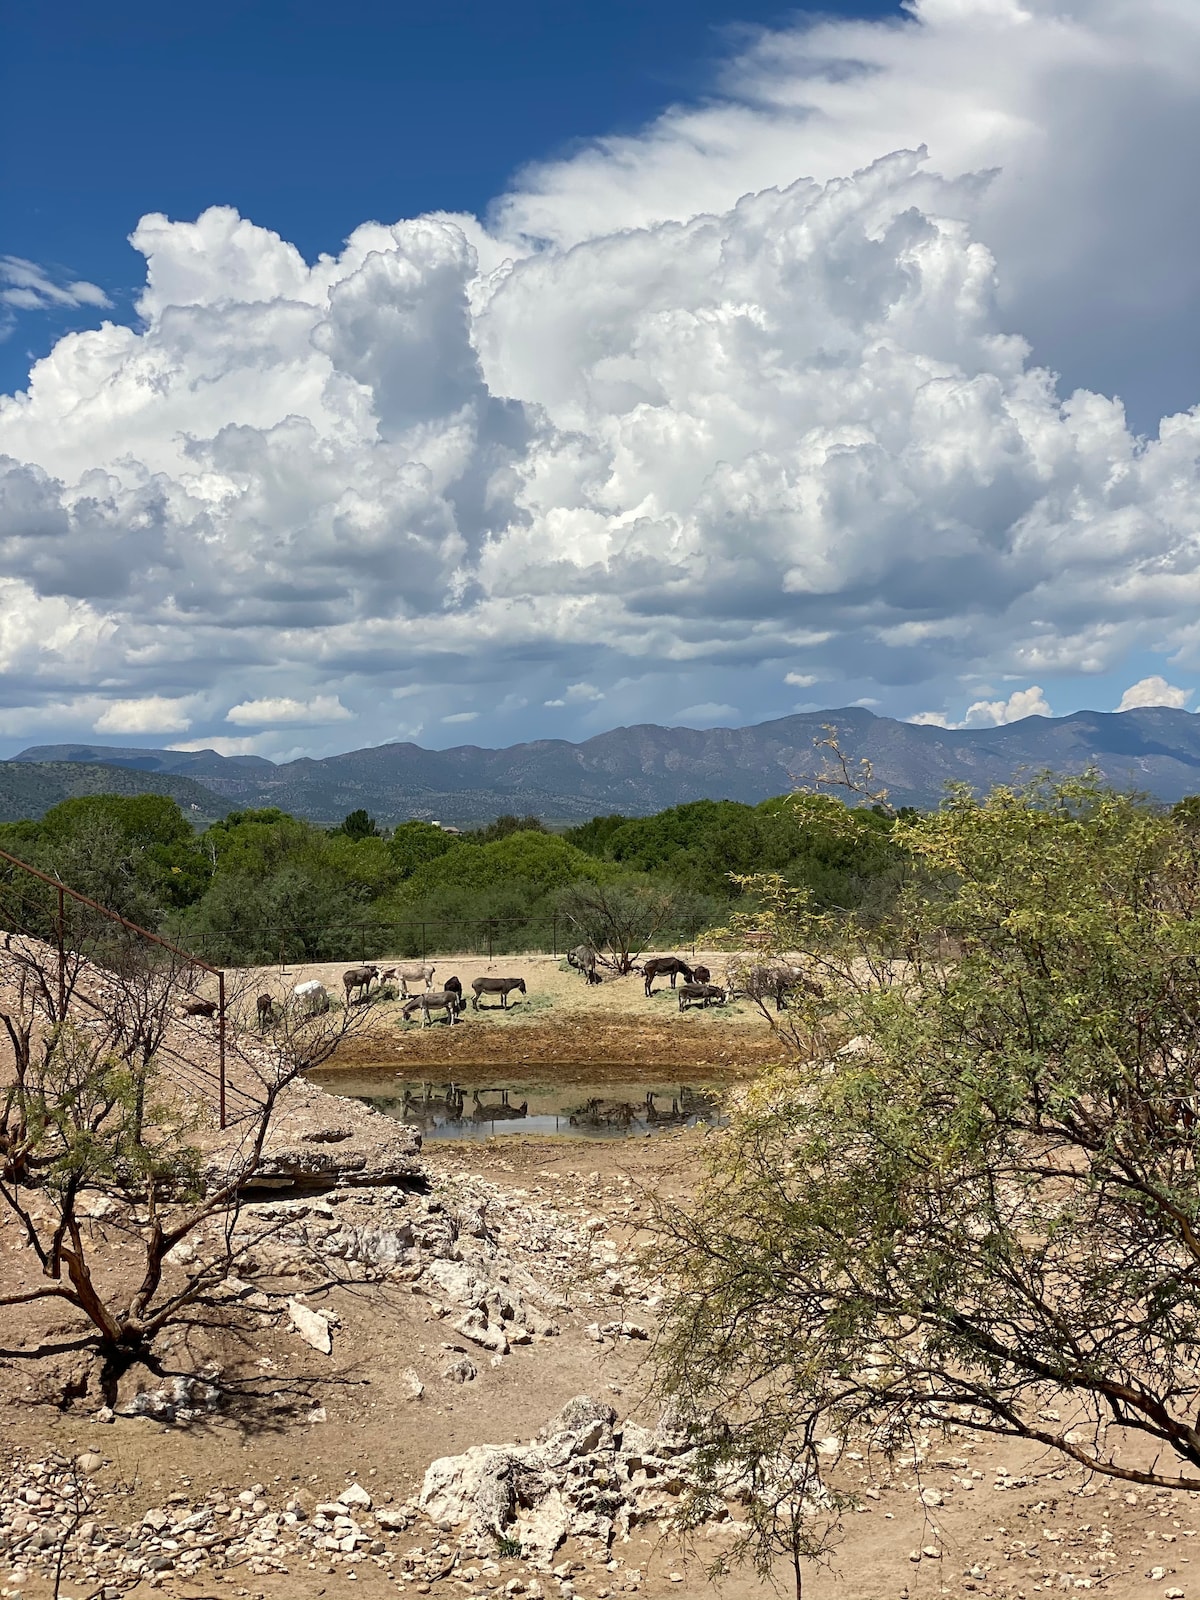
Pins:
<point x="700" y="994"/>
<point x="665" y="967"/>
<point x="434" y="1000"/>
<point x="359" y="978"/>
<point x="583" y="959"/>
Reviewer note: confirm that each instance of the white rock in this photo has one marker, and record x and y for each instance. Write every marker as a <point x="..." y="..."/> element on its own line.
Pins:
<point x="456" y="1281"/>
<point x="355" y="1495"/>
<point x="485" y="1334"/>
<point x="312" y="1326"/>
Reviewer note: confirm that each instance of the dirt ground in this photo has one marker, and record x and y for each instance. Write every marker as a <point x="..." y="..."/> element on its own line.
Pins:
<point x="960" y="1516"/>
<point x="560" y="1019"/>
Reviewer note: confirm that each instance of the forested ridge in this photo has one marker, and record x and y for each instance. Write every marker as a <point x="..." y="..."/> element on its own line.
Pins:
<point x="258" y="885"/>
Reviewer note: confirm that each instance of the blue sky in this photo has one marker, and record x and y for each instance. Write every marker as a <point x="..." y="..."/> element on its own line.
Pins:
<point x="310" y="117"/>
<point x="492" y="373"/>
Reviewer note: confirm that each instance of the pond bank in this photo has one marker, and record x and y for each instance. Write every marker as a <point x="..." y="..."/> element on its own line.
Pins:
<point x="692" y="1042"/>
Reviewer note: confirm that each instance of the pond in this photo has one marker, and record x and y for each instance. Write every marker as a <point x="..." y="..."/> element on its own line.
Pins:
<point x="522" y="1105"/>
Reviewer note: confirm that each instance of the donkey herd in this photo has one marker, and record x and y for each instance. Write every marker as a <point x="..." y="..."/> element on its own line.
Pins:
<point x="760" y="981"/>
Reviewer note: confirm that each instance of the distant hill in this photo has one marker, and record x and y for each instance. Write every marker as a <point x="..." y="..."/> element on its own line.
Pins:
<point x="29" y="789"/>
<point x="643" y="769"/>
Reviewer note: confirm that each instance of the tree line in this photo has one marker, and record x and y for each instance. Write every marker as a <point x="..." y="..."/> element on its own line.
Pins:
<point x="259" y="885"/>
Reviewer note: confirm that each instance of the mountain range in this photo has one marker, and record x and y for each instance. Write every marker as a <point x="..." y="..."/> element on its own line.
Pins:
<point x="29" y="790"/>
<point x="635" y="770"/>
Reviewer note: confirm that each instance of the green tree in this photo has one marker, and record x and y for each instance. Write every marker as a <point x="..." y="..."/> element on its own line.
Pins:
<point x="143" y="819"/>
<point x="841" y="856"/>
<point x="534" y="862"/>
<point x="136" y="854"/>
<point x="359" y="825"/>
<point x="414" y="843"/>
<point x="972" y="1199"/>
<point x="508" y="823"/>
<point x="621" y="918"/>
<point x="280" y="886"/>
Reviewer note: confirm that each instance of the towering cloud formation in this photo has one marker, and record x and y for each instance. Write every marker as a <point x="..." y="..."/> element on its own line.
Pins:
<point x="793" y="432"/>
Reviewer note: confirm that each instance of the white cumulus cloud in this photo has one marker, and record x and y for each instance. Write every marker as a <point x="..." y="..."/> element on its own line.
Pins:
<point x="1079" y="116"/>
<point x="153" y="714"/>
<point x="1154" y="691"/>
<point x="1021" y="703"/>
<point x="764" y="379"/>
<point x="256" y="713"/>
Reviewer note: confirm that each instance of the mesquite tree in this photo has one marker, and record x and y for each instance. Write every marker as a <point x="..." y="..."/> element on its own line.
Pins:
<point x="972" y="1199"/>
<point x="107" y="1157"/>
<point x="621" y="920"/>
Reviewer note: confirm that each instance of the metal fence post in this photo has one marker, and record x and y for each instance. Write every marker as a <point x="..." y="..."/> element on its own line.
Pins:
<point x="422" y="941"/>
<point x="554" y="934"/>
<point x="221" y="1041"/>
<point x="61" y="935"/>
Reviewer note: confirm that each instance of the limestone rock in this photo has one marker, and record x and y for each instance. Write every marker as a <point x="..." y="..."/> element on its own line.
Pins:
<point x="487" y="1335"/>
<point x="312" y="1326"/>
<point x="582" y="1477"/>
<point x="463" y="1370"/>
<point x="181" y="1400"/>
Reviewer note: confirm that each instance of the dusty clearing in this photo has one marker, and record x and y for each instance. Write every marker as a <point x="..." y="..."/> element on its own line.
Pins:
<point x="559" y="1019"/>
<point x="532" y="1245"/>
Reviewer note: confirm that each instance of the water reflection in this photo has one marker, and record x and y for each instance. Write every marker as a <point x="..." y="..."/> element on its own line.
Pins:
<point x="459" y="1111"/>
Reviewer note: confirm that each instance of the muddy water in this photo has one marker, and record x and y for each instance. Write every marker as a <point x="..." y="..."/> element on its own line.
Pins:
<point x="487" y="1106"/>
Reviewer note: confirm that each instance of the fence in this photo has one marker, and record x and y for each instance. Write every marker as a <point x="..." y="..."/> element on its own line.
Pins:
<point x="37" y="906"/>
<point x="485" y="936"/>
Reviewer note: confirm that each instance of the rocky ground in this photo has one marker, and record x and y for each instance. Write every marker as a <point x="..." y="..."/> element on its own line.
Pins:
<point x="426" y="1373"/>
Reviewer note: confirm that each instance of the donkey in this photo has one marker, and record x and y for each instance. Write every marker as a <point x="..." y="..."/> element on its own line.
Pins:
<point x="702" y="994"/>
<point x="413" y="972"/>
<point x="359" y="978"/>
<point x="583" y="959"/>
<point x="501" y="986"/>
<point x="434" y="1000"/>
<point x="665" y="967"/>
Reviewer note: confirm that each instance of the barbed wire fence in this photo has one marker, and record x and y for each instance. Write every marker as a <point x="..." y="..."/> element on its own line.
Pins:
<point x="82" y="934"/>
